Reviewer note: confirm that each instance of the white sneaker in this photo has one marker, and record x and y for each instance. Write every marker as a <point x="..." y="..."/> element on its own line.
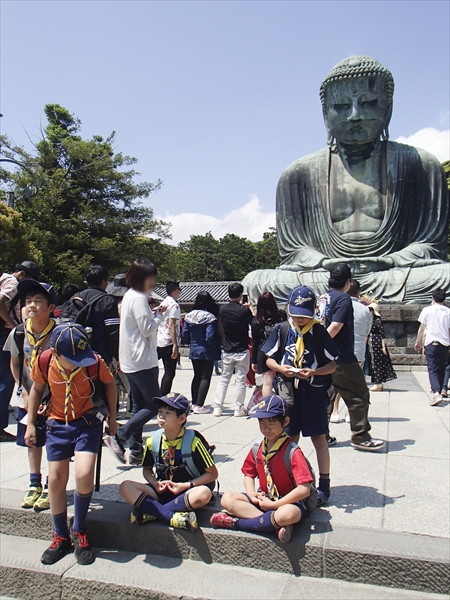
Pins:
<point x="376" y="388"/>
<point x="217" y="411"/>
<point x="347" y="418"/>
<point x="436" y="399"/>
<point x="241" y="412"/>
<point x="200" y="410"/>
<point x="335" y="419"/>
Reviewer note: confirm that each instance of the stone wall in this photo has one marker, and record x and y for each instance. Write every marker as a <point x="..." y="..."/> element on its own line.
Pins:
<point x="401" y="325"/>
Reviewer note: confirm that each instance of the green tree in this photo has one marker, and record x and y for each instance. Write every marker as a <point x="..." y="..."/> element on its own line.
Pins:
<point x="14" y="247"/>
<point x="89" y="206"/>
<point x="267" y="255"/>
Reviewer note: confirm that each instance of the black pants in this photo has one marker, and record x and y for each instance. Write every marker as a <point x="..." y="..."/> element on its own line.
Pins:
<point x="437" y="356"/>
<point x="203" y="370"/>
<point x="170" y="368"/>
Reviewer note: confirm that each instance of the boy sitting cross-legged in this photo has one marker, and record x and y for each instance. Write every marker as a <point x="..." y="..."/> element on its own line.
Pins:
<point x="74" y="427"/>
<point x="278" y="503"/>
<point x="178" y="467"/>
<point x="26" y="342"/>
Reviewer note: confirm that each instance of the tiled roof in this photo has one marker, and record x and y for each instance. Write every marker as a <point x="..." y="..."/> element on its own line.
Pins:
<point x="189" y="290"/>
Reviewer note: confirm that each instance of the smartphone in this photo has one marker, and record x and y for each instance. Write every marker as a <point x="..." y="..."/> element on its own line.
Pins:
<point x="244" y="298"/>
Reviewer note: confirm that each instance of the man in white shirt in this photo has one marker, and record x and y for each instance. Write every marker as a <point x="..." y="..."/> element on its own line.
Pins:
<point x="169" y="335"/>
<point x="433" y="338"/>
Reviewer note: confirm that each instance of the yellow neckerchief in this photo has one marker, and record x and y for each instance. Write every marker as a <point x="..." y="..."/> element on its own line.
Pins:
<point x="267" y="455"/>
<point x="169" y="447"/>
<point x="300" y="343"/>
<point x="69" y="402"/>
<point x="35" y="342"/>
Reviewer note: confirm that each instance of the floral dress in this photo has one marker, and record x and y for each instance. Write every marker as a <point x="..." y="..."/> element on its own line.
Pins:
<point x="382" y="369"/>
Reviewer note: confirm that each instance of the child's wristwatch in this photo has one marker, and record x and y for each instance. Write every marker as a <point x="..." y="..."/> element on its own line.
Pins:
<point x="191" y="485"/>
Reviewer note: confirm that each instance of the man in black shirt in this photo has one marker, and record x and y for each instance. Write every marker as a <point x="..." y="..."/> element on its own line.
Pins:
<point x="235" y="319"/>
<point x="336" y="311"/>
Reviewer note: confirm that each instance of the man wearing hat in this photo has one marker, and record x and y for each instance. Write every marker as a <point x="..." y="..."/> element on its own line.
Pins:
<point x="9" y="318"/>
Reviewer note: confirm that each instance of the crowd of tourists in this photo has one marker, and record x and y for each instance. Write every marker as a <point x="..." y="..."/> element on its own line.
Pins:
<point x="67" y="356"/>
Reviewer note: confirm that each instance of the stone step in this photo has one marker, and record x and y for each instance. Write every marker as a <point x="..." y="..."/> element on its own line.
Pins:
<point x="317" y="549"/>
<point x="122" y="575"/>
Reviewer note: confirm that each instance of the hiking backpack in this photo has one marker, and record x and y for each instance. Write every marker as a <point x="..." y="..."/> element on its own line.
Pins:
<point x="80" y="310"/>
<point x="310" y="503"/>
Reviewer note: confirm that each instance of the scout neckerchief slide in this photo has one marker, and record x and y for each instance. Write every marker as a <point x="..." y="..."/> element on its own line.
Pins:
<point x="267" y="455"/>
<point x="168" y="451"/>
<point x="68" y="402"/>
<point x="35" y="343"/>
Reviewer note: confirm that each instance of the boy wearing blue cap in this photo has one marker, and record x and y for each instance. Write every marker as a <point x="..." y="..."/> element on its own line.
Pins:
<point x="26" y="342"/>
<point x="74" y="428"/>
<point x="279" y="502"/>
<point x="178" y="467"/>
<point x="303" y="353"/>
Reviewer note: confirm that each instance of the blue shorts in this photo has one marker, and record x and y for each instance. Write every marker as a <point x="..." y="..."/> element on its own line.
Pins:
<point x="21" y="429"/>
<point x="300" y="505"/>
<point x="308" y="414"/>
<point x="82" y="435"/>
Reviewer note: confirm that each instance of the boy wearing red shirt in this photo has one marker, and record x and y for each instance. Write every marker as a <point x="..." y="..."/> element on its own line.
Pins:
<point x="278" y="503"/>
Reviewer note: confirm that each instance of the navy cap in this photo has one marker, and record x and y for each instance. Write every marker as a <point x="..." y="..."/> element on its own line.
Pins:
<point x="177" y="401"/>
<point x="26" y="284"/>
<point x="71" y="341"/>
<point x="271" y="406"/>
<point x="301" y="302"/>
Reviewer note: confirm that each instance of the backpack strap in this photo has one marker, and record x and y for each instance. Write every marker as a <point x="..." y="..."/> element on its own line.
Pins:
<point x="44" y="360"/>
<point x="156" y="446"/>
<point x="186" y="453"/>
<point x="284" y="332"/>
<point x="19" y="338"/>
<point x="310" y="502"/>
<point x="255" y="448"/>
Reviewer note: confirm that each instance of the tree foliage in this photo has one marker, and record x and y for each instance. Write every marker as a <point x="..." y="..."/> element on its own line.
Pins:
<point x="14" y="246"/>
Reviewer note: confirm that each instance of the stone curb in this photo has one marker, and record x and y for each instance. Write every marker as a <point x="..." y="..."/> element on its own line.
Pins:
<point x="317" y="549"/>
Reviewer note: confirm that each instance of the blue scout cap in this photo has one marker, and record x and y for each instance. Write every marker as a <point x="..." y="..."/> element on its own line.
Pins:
<point x="271" y="406"/>
<point x="28" y="284"/>
<point x="301" y="302"/>
<point x="177" y="401"/>
<point x="71" y="341"/>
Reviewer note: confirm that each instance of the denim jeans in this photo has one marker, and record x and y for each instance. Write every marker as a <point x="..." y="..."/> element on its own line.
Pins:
<point x="144" y="387"/>
<point x="6" y="383"/>
<point x="238" y="362"/>
<point x="437" y="356"/>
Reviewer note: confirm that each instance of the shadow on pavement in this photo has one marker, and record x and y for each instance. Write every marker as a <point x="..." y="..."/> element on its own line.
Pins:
<point x="357" y="497"/>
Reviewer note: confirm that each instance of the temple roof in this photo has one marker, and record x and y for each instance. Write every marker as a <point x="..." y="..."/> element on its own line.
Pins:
<point x="190" y="289"/>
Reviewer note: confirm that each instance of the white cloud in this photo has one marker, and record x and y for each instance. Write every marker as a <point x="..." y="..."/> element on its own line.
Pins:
<point x="431" y="139"/>
<point x="248" y="221"/>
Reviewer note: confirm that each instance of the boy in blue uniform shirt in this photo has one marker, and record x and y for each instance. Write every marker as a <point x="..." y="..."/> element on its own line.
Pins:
<point x="177" y="485"/>
<point x="279" y="502"/>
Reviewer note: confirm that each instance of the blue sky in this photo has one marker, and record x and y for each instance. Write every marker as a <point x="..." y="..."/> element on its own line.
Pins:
<point x="216" y="98"/>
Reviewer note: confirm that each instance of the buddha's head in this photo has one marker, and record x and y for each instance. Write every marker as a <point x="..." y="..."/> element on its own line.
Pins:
<point x="357" y="97"/>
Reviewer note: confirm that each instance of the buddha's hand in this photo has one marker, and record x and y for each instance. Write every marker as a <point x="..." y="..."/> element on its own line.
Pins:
<point x="362" y="265"/>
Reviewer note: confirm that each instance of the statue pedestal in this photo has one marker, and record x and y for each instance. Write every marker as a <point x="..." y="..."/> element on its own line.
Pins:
<point x="401" y="326"/>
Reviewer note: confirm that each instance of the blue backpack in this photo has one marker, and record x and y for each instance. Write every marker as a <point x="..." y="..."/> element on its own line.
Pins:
<point x="186" y="451"/>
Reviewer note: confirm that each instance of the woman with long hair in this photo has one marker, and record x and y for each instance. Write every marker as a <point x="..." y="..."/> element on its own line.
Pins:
<point x="201" y="332"/>
<point x="267" y="316"/>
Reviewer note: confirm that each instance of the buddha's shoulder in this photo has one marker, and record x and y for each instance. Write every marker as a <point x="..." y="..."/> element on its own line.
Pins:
<point x="305" y="164"/>
<point x="414" y="155"/>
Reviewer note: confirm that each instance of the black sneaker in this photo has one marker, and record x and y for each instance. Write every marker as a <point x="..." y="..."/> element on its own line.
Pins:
<point x="82" y="549"/>
<point x="135" y="460"/>
<point x="331" y="441"/>
<point x="57" y="550"/>
<point x="116" y="447"/>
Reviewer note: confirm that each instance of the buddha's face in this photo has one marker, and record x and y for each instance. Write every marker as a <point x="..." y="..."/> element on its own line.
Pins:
<point x="357" y="110"/>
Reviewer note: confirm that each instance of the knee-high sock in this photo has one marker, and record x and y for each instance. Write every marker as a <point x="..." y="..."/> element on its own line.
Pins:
<point x="265" y="522"/>
<point x="148" y="505"/>
<point x="81" y="506"/>
<point x="60" y="525"/>
<point x="324" y="483"/>
<point x="180" y="503"/>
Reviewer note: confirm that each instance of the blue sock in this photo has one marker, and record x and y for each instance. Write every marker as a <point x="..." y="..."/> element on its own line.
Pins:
<point x="324" y="484"/>
<point x="60" y="525"/>
<point x="46" y="483"/>
<point x="149" y="506"/>
<point x="81" y="506"/>
<point x="35" y="479"/>
<point x="179" y="504"/>
<point x="265" y="522"/>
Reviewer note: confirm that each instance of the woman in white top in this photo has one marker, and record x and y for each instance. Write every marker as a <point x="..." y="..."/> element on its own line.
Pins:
<point x="138" y="356"/>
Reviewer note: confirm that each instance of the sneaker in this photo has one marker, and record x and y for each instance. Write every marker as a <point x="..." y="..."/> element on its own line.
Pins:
<point x="370" y="445"/>
<point x="217" y="372"/>
<point x="332" y="441"/>
<point x="444" y="393"/>
<point x="200" y="410"/>
<point x="32" y="496"/>
<point x="82" y="549"/>
<point x="347" y="418"/>
<point x="376" y="388"/>
<point x="217" y="411"/>
<point x="7" y="437"/>
<point x="335" y="419"/>
<point x="113" y="443"/>
<point x="322" y="498"/>
<point x="223" y="520"/>
<point x="285" y="534"/>
<point x="136" y="461"/>
<point x="241" y="412"/>
<point x="184" y="520"/>
<point x="57" y="550"/>
<point x="436" y="399"/>
<point x="139" y="518"/>
<point x="43" y="502"/>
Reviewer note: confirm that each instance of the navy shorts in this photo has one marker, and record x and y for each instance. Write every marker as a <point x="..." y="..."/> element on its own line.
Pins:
<point x="308" y="414"/>
<point x="21" y="429"/>
<point x="300" y="505"/>
<point x="82" y="435"/>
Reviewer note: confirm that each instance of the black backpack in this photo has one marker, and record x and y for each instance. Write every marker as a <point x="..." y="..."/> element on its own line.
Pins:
<point x="80" y="310"/>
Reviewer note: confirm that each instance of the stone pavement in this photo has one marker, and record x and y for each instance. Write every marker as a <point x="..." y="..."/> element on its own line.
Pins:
<point x="403" y="489"/>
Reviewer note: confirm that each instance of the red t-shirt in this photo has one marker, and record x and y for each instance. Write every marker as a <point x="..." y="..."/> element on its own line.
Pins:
<point x="281" y="477"/>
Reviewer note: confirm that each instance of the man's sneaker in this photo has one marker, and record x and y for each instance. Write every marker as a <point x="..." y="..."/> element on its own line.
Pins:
<point x="33" y="494"/>
<point x="184" y="520"/>
<point x="241" y="412"/>
<point x="57" y="550"/>
<point x="217" y="411"/>
<point x="444" y="393"/>
<point x="82" y="549"/>
<point x="43" y="502"/>
<point x="223" y="520"/>
<point x="200" y="410"/>
<point x="113" y="443"/>
<point x="370" y="445"/>
<point x="135" y="460"/>
<point x="7" y="437"/>
<point x="331" y="441"/>
<point x="322" y="498"/>
<point x="436" y="399"/>
<point x="285" y="534"/>
<point x="139" y="518"/>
